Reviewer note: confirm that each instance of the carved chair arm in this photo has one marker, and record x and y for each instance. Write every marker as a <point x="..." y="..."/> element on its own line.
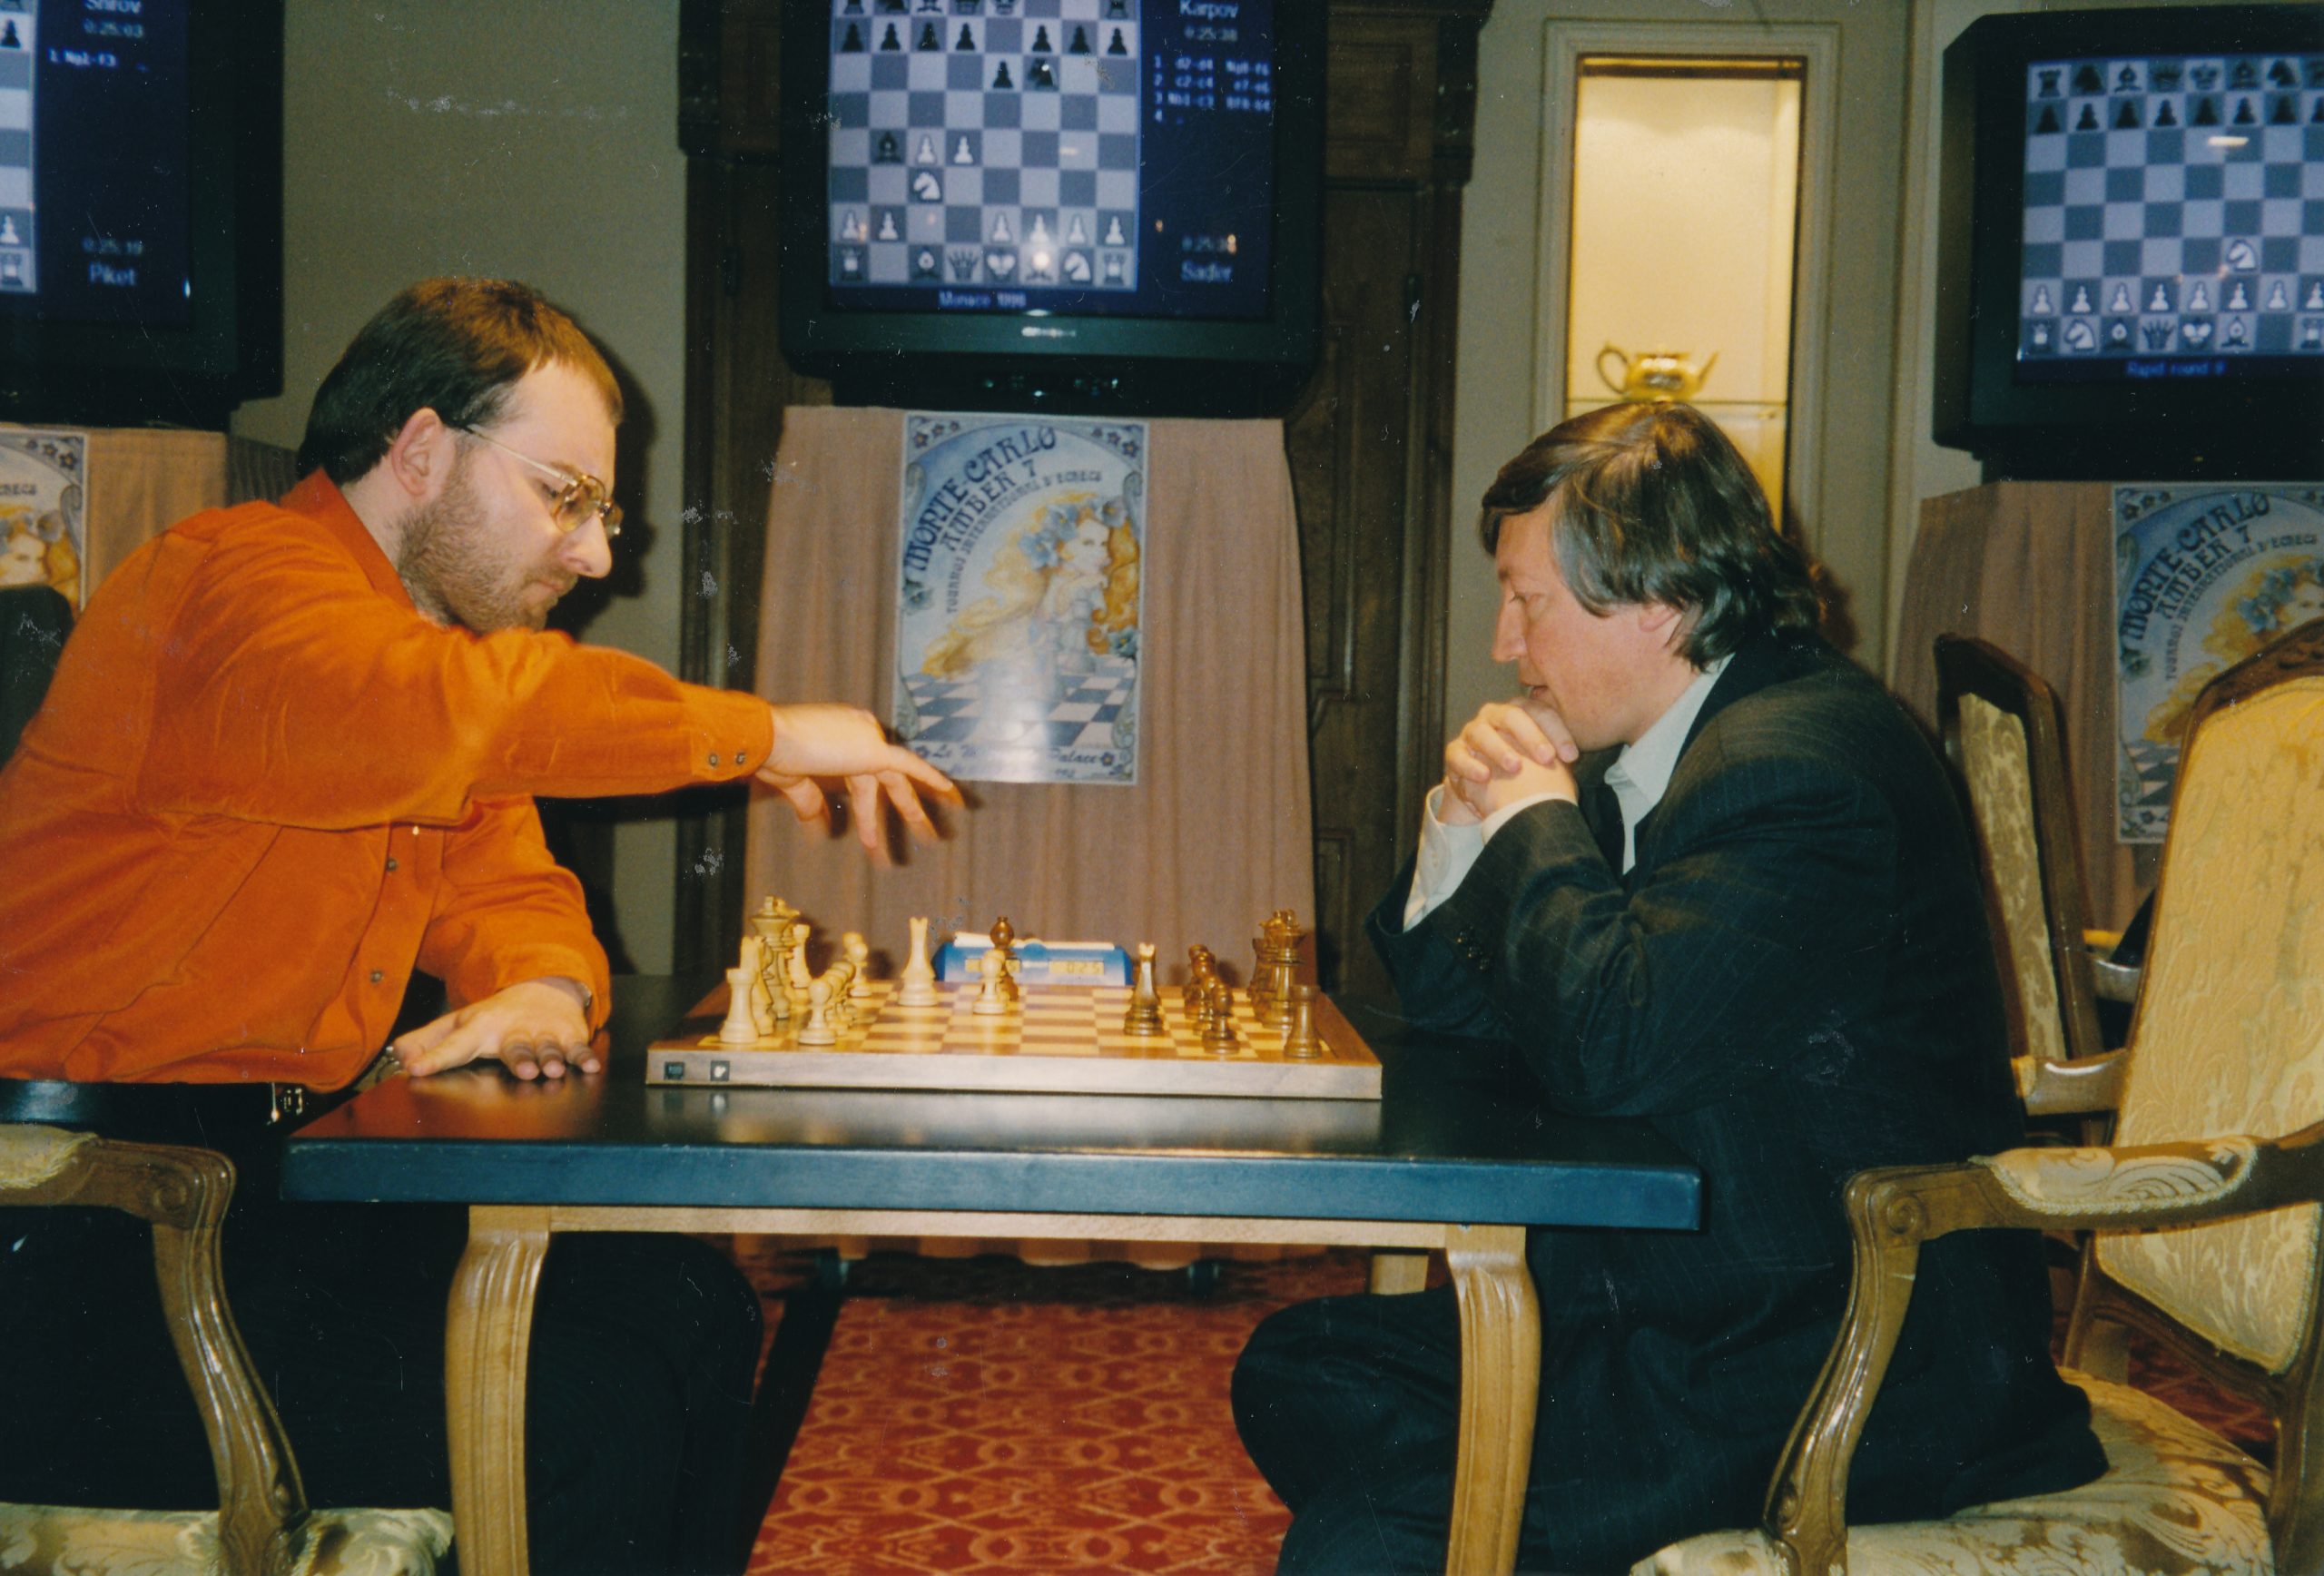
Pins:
<point x="2069" y="1088"/>
<point x="183" y="1193"/>
<point x="1894" y="1210"/>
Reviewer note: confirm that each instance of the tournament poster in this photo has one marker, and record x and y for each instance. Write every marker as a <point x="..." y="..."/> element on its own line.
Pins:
<point x="43" y="495"/>
<point x="2204" y="576"/>
<point x="1018" y="596"/>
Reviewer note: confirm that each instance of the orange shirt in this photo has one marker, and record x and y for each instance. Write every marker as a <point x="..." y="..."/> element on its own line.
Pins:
<point x="263" y="789"/>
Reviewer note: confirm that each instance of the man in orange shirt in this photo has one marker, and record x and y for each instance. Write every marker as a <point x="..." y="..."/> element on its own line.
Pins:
<point x="288" y="759"/>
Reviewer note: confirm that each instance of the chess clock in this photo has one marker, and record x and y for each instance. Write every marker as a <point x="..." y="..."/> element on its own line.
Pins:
<point x="1094" y="206"/>
<point x="140" y="210"/>
<point x="2131" y="234"/>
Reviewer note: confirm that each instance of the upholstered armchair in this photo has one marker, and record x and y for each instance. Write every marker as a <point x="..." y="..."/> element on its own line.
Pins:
<point x="2198" y="1226"/>
<point x="2003" y="733"/>
<point x="262" y="1526"/>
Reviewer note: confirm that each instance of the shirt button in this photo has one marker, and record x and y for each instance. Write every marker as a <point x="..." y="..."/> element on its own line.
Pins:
<point x="378" y="975"/>
<point x="392" y="864"/>
<point x="714" y="757"/>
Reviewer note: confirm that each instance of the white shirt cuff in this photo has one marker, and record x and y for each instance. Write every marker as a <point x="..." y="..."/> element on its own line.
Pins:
<point x="1447" y="851"/>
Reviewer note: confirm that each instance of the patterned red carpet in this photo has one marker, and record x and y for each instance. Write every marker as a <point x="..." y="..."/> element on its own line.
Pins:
<point x="989" y="1417"/>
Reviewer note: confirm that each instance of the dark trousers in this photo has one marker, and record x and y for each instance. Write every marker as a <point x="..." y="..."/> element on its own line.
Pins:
<point x="638" y="1389"/>
<point x="1351" y="1408"/>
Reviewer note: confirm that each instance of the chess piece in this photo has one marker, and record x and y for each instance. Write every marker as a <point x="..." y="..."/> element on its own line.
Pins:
<point x="920" y="978"/>
<point x="1218" y="1035"/>
<point x="818" y="1030"/>
<point x="859" y="961"/>
<point x="797" y="979"/>
<point x="740" y="1027"/>
<point x="1279" y="960"/>
<point x="1004" y="938"/>
<point x="990" y="1002"/>
<point x="1144" y="1014"/>
<point x="1301" y="1042"/>
<point x="771" y="924"/>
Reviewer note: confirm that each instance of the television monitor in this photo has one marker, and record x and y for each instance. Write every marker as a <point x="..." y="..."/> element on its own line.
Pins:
<point x="2131" y="265"/>
<point x="1107" y="206"/>
<point x="141" y="208"/>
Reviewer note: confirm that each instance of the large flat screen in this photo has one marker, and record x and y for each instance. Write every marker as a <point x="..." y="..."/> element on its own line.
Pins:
<point x="1001" y="190"/>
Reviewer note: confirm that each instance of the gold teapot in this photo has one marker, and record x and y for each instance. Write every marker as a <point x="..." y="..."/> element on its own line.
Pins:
<point x="1657" y="375"/>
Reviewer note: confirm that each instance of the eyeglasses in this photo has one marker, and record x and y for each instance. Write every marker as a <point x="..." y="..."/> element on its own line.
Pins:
<point x="579" y="498"/>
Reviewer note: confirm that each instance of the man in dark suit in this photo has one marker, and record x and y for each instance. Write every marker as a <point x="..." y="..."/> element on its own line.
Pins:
<point x="1705" y="873"/>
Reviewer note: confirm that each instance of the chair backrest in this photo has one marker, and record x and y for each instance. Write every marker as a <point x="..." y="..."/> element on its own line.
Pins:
<point x="33" y="622"/>
<point x="2004" y="733"/>
<point x="2229" y="1037"/>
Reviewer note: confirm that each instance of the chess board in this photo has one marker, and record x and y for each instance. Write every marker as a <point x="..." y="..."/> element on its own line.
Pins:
<point x="1085" y="715"/>
<point x="17" y="273"/>
<point x="1060" y="1039"/>
<point x="990" y="144"/>
<point x="2173" y="207"/>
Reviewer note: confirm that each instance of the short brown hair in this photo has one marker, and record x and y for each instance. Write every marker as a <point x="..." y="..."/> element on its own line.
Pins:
<point x="453" y="346"/>
<point x="1655" y="505"/>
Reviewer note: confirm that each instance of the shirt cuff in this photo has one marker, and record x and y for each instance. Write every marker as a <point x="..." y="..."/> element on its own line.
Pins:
<point x="1448" y="850"/>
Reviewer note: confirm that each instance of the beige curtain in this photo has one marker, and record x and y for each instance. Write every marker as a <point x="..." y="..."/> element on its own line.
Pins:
<point x="1214" y="835"/>
<point x="142" y="482"/>
<point x="2030" y="567"/>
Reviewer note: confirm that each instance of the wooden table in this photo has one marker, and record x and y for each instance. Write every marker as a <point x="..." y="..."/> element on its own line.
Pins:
<point x="1454" y="1156"/>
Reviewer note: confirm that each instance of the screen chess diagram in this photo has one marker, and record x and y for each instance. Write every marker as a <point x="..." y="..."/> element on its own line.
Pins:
<point x="988" y="144"/>
<point x="1274" y="1038"/>
<point x="17" y="273"/>
<point x="2173" y="207"/>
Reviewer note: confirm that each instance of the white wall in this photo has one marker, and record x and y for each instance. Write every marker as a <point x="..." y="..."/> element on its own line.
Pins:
<point x="528" y="139"/>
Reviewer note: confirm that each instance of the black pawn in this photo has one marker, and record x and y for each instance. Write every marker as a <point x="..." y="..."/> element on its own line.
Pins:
<point x="2164" y="117"/>
<point x="928" y="39"/>
<point x="853" y="43"/>
<point x="2049" y="121"/>
<point x="1040" y="75"/>
<point x="1118" y="46"/>
<point x="8" y="39"/>
<point x="2126" y="119"/>
<point x="2206" y="113"/>
<point x="2318" y="118"/>
<point x="2089" y="121"/>
<point x="967" y="40"/>
<point x="1001" y="79"/>
<point x="1080" y="45"/>
<point x="2285" y="114"/>
<point x="1042" y="41"/>
<point x="888" y="40"/>
<point x="2243" y="115"/>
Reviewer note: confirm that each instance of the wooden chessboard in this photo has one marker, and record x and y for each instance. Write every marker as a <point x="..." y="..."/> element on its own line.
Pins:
<point x="1060" y="1039"/>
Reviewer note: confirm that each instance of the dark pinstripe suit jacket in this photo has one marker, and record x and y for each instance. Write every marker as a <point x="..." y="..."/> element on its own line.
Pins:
<point x="1794" y="982"/>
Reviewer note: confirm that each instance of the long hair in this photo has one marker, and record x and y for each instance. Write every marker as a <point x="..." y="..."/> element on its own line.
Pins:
<point x="453" y="346"/>
<point x="1651" y="502"/>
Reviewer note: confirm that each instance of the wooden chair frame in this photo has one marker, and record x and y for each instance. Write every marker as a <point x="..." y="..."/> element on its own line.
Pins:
<point x="262" y="1513"/>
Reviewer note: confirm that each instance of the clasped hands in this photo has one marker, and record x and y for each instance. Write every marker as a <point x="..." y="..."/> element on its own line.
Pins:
<point x="1511" y="749"/>
<point x="821" y="749"/>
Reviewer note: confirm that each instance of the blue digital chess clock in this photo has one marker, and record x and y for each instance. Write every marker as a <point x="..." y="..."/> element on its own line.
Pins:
<point x="1038" y="962"/>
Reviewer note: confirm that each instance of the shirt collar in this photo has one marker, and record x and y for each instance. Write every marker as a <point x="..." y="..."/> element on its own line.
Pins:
<point x="318" y="498"/>
<point x="1642" y="771"/>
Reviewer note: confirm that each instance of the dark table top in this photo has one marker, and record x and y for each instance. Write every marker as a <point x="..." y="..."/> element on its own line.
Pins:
<point x="1455" y="1137"/>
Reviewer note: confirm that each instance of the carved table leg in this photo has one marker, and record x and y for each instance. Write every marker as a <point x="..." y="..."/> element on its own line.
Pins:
<point x="488" y="1333"/>
<point x="1501" y="1375"/>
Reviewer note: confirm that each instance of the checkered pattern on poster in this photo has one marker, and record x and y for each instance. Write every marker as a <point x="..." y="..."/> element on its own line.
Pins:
<point x="992" y="145"/>
<point x="2204" y="576"/>
<point x="1019" y="596"/>
<point x="2173" y="207"/>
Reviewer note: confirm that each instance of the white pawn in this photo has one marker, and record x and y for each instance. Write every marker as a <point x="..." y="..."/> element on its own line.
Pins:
<point x="859" y="959"/>
<point x="920" y="977"/>
<point x="818" y="1030"/>
<point x="798" y="975"/>
<point x="990" y="1002"/>
<point x="740" y="1028"/>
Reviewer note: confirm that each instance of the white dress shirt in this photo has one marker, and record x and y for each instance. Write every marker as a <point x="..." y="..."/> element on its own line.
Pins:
<point x="1638" y="777"/>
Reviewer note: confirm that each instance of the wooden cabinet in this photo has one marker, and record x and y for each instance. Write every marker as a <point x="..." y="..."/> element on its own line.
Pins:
<point x="1369" y="438"/>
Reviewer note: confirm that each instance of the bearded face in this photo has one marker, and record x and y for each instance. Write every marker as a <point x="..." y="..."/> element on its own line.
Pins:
<point x="466" y="563"/>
